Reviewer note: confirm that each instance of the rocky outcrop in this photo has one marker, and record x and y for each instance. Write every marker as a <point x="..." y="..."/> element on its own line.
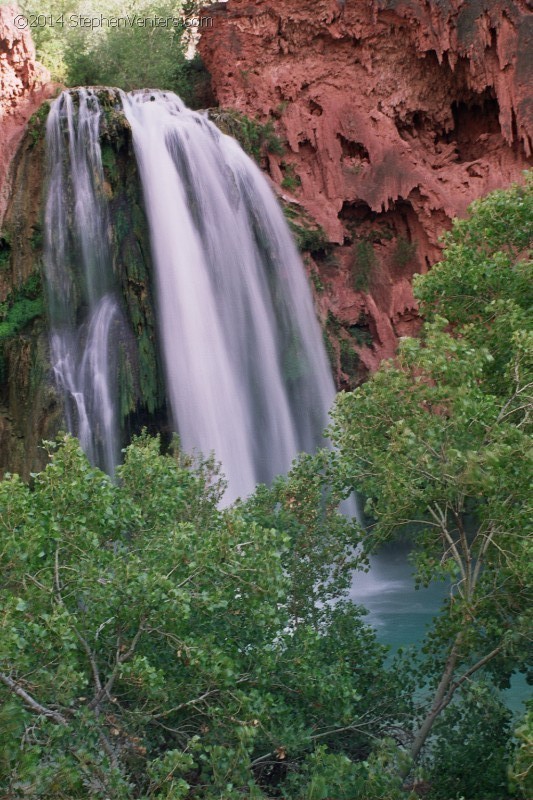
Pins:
<point x="24" y="85"/>
<point x="397" y="114"/>
<point x="30" y="409"/>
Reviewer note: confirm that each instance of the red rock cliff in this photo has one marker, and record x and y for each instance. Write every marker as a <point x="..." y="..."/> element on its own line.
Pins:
<point x="397" y="114"/>
<point x="24" y="84"/>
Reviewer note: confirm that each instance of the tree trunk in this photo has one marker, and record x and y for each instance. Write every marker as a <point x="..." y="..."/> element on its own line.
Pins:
<point x="437" y="705"/>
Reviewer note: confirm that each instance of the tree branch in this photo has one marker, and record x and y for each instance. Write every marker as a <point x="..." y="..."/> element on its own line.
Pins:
<point x="121" y="658"/>
<point x="30" y="702"/>
<point x="184" y="705"/>
<point x="446" y="690"/>
<point x="440" y="518"/>
<point x="108" y="747"/>
<point x="464" y="677"/>
<point x="90" y="654"/>
<point x="435" y="709"/>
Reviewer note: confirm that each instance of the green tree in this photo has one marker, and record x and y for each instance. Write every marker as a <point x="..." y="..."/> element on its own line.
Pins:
<point x="521" y="767"/>
<point x="473" y="730"/>
<point x="50" y="31"/>
<point x="132" y="54"/>
<point x="129" y="57"/>
<point x="439" y="441"/>
<point x="148" y="648"/>
<point x="483" y="286"/>
<point x="321" y="554"/>
<point x="325" y="775"/>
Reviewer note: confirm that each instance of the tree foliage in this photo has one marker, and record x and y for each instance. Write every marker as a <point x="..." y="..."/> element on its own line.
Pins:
<point x="150" y="644"/>
<point x="439" y="442"/>
<point x="521" y="767"/>
<point x="484" y="287"/>
<point x="471" y="747"/>
<point x="79" y="45"/>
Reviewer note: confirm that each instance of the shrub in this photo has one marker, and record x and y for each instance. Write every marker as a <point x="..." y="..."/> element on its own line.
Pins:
<point x="254" y="137"/>
<point x="404" y="252"/>
<point x="363" y="263"/>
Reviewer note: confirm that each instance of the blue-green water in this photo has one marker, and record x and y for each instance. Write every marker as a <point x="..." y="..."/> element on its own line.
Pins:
<point x="402" y="614"/>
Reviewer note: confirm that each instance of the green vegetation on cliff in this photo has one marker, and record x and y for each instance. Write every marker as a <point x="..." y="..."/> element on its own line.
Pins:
<point x="309" y="236"/>
<point x="37" y="122"/>
<point x="255" y="138"/>
<point x="21" y="307"/>
<point x="364" y="262"/>
<point x="5" y="250"/>
<point x="141" y="383"/>
<point x="142" y="44"/>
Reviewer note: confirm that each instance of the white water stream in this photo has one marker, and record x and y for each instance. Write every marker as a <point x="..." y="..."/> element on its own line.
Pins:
<point x="79" y="274"/>
<point x="246" y="371"/>
<point x="247" y="374"/>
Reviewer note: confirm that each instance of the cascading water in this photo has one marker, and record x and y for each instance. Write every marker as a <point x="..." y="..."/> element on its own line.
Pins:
<point x="78" y="273"/>
<point x="247" y="374"/>
<point x="246" y="371"/>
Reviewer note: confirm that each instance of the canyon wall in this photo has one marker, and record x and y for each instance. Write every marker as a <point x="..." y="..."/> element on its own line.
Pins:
<point x="28" y="406"/>
<point x="24" y="85"/>
<point x="396" y="115"/>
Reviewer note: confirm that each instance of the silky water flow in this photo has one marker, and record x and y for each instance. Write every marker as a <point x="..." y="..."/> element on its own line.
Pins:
<point x="246" y="372"/>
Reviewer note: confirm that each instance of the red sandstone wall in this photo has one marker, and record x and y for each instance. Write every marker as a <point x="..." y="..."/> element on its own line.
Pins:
<point x="24" y="84"/>
<point x="397" y="114"/>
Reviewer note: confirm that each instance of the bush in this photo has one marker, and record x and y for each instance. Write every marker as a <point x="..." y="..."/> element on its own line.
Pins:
<point x="291" y="180"/>
<point x="254" y="137"/>
<point x="308" y="240"/>
<point x="364" y="262"/>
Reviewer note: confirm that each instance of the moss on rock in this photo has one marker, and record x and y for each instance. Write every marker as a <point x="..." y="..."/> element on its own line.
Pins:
<point x="255" y="138"/>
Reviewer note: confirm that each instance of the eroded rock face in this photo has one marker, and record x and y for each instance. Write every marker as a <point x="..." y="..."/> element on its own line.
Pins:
<point x="30" y="408"/>
<point x="397" y="114"/>
<point x="24" y="84"/>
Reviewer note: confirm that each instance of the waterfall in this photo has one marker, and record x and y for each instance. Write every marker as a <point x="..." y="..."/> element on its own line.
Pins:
<point x="245" y="367"/>
<point x="78" y="274"/>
